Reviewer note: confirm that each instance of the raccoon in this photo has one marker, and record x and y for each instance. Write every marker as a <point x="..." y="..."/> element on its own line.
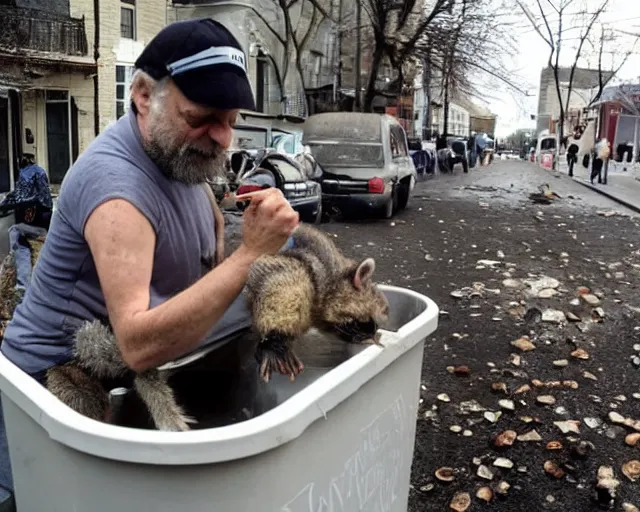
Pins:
<point x="311" y="285"/>
<point x="97" y="357"/>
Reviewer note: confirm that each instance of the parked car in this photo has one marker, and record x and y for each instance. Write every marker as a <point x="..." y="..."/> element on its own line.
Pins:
<point x="423" y="158"/>
<point x="456" y="152"/>
<point x="364" y="159"/>
<point x="546" y="144"/>
<point x="254" y="163"/>
<point x="461" y="152"/>
<point x="303" y="193"/>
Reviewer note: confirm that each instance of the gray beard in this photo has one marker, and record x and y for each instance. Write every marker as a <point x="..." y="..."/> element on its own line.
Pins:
<point x="186" y="164"/>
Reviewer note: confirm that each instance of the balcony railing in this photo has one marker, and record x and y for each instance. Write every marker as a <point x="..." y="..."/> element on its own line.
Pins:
<point x="28" y="29"/>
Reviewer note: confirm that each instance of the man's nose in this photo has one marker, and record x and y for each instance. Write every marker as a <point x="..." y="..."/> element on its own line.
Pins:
<point x="221" y="133"/>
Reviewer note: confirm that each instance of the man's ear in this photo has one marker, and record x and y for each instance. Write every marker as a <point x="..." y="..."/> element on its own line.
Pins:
<point x="363" y="273"/>
<point x="141" y="91"/>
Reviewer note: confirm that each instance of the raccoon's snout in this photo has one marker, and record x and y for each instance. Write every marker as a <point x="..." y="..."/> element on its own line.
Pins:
<point x="357" y="332"/>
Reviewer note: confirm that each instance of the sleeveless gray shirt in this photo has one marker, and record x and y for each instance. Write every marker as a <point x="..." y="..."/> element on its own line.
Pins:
<point x="65" y="290"/>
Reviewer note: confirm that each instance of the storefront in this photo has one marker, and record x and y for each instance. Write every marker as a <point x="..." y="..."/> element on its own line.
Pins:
<point x="619" y="117"/>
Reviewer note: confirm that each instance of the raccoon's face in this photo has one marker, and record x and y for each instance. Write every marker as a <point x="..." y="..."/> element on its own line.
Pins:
<point x="354" y="307"/>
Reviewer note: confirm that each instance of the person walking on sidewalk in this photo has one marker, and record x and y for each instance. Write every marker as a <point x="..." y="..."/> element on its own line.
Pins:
<point x="572" y="157"/>
<point x="600" y="158"/>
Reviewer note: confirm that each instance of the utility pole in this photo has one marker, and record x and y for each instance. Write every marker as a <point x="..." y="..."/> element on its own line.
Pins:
<point x="337" y="78"/>
<point x="426" y="86"/>
<point x="358" y="53"/>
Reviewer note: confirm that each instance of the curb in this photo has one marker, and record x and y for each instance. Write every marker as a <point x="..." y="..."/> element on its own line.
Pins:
<point x="627" y="204"/>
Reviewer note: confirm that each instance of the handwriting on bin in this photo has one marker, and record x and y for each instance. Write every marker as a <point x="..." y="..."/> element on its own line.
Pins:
<point x="369" y="478"/>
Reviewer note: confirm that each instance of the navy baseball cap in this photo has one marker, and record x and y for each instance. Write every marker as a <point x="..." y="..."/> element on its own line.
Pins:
<point x="204" y="60"/>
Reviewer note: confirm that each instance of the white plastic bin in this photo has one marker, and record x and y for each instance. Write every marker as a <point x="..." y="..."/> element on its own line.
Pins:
<point x="343" y="442"/>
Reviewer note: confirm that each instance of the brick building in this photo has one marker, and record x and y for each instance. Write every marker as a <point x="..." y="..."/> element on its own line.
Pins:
<point x="66" y="68"/>
<point x="617" y="116"/>
<point x="122" y="39"/>
<point x="481" y="119"/>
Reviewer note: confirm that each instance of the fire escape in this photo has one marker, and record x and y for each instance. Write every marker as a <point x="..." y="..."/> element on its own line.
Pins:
<point x="34" y="43"/>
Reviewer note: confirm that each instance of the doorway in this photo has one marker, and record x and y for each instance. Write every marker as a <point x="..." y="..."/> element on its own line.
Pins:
<point x="5" y="154"/>
<point x="58" y="115"/>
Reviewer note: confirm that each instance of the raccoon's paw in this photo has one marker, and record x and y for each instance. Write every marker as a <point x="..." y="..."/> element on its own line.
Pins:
<point x="190" y="420"/>
<point x="274" y="354"/>
<point x="175" y="421"/>
<point x="374" y="340"/>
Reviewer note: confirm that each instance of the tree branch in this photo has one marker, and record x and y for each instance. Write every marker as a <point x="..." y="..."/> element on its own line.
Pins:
<point x="602" y="81"/>
<point x="583" y="37"/>
<point x="312" y="27"/>
<point x="534" y="24"/>
<point x="440" y="7"/>
<point x="322" y="10"/>
<point x="497" y="75"/>
<point x="269" y="26"/>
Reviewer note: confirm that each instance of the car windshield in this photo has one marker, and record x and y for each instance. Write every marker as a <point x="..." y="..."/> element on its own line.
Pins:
<point x="286" y="140"/>
<point x="547" y="144"/>
<point x="250" y="138"/>
<point x="348" y="155"/>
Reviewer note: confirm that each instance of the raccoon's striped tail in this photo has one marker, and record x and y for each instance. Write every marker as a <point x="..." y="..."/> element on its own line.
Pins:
<point x="96" y="350"/>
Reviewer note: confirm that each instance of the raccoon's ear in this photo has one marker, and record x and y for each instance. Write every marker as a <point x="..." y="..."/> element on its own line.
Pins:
<point x="363" y="273"/>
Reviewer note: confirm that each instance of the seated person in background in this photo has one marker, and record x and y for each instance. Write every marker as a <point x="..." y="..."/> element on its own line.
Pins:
<point x="31" y="198"/>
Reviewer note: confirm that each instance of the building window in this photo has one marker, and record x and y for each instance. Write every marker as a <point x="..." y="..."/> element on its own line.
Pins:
<point x="398" y="142"/>
<point x="128" y="19"/>
<point x="317" y="62"/>
<point x="123" y="85"/>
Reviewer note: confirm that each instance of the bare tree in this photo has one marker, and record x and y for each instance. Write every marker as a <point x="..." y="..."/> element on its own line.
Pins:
<point x="452" y="67"/>
<point x="610" y="39"/>
<point x="397" y="26"/>
<point x="554" y="25"/>
<point x="305" y="29"/>
<point x="518" y="138"/>
<point x="298" y="24"/>
<point x="467" y="51"/>
<point x="624" y="94"/>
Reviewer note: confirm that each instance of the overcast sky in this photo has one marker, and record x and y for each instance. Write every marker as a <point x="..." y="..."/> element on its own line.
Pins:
<point x="533" y="54"/>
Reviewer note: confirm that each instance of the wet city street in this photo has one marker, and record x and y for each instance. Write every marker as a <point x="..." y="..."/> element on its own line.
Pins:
<point x="531" y="384"/>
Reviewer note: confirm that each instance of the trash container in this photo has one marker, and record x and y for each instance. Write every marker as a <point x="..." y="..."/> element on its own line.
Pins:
<point x="341" y="440"/>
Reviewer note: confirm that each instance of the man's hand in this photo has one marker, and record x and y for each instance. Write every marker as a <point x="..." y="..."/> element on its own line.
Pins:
<point x="267" y="222"/>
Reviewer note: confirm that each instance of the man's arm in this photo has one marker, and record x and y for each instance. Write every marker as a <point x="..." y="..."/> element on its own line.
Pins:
<point x="122" y="242"/>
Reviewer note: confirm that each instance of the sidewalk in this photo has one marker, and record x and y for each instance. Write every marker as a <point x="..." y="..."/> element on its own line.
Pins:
<point x="622" y="186"/>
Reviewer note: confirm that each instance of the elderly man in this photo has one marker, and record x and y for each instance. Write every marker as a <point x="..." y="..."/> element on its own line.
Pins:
<point x="132" y="239"/>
